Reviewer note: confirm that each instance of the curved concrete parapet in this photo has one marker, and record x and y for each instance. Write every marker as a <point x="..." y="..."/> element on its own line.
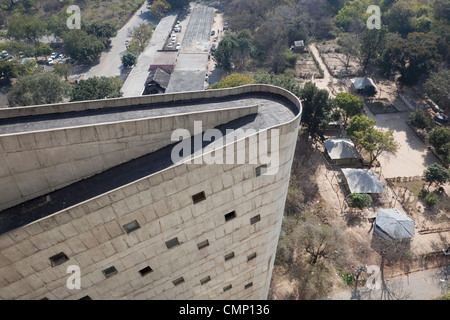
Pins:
<point x="200" y="228"/>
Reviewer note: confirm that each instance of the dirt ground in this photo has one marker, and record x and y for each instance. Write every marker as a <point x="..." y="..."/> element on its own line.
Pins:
<point x="432" y="225"/>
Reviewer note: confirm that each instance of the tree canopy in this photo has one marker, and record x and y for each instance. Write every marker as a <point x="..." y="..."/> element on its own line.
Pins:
<point x="233" y="80"/>
<point x="372" y="141"/>
<point x="96" y="88"/>
<point x="38" y="88"/>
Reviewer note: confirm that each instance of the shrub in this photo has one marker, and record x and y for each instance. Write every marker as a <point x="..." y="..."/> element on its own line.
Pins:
<point x="359" y="200"/>
<point x="431" y="199"/>
<point x="420" y="119"/>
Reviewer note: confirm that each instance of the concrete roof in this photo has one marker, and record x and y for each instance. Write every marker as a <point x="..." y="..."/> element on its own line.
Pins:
<point x="341" y="148"/>
<point x="395" y="223"/>
<point x="362" y="181"/>
<point x="273" y="110"/>
<point x="361" y="83"/>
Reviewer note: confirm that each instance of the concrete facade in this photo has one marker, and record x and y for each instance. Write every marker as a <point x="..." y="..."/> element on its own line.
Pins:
<point x="212" y="250"/>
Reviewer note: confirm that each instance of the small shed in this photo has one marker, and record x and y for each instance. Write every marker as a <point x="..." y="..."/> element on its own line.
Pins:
<point x="393" y="224"/>
<point x="299" y="46"/>
<point x="341" y="151"/>
<point x="362" y="181"/>
<point x="157" y="82"/>
<point x="361" y="83"/>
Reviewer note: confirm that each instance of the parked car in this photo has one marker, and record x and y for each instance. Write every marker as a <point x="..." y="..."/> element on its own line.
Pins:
<point x="178" y="46"/>
<point x="62" y="55"/>
<point x="50" y="62"/>
<point x="170" y="45"/>
<point x="54" y="55"/>
<point x="174" y="37"/>
<point x="176" y="29"/>
<point x="213" y="32"/>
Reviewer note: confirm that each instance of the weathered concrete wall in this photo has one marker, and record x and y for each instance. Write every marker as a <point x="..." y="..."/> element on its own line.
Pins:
<point x="92" y="236"/>
<point x="35" y="163"/>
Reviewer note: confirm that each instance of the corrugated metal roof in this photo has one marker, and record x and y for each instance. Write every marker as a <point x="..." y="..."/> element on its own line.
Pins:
<point x="341" y="148"/>
<point x="361" y="83"/>
<point x="362" y="181"/>
<point x="395" y="223"/>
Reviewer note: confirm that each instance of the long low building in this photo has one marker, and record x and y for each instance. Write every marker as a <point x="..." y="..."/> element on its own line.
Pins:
<point x="174" y="196"/>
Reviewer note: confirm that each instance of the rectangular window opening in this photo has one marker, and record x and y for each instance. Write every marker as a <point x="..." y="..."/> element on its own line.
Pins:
<point x="261" y="170"/>
<point x="255" y="219"/>
<point x="248" y="285"/>
<point x="251" y="257"/>
<point x="109" y="272"/>
<point x="229" y="256"/>
<point x="196" y="198"/>
<point x="145" y="271"/>
<point x="230" y="216"/>
<point x="203" y="244"/>
<point x="132" y="226"/>
<point x="205" y="280"/>
<point x="172" y="243"/>
<point x="178" y="281"/>
<point x="228" y="287"/>
<point x="58" y="259"/>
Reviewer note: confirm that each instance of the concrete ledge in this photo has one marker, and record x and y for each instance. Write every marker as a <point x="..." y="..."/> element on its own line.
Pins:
<point x="145" y="100"/>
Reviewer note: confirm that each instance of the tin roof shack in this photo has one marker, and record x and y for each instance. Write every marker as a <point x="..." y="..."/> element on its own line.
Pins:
<point x="393" y="224"/>
<point x="360" y="84"/>
<point x="362" y="181"/>
<point x="341" y="151"/>
<point x="299" y="46"/>
<point x="157" y="82"/>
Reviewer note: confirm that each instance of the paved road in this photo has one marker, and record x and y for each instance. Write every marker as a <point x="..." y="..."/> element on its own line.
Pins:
<point x="135" y="82"/>
<point x="420" y="285"/>
<point x="110" y="64"/>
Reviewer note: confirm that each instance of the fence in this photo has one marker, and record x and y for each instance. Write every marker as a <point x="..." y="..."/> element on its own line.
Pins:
<point x="406" y="101"/>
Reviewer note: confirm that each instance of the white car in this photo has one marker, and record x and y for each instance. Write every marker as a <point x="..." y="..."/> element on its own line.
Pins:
<point x="176" y="29"/>
<point x="50" y="62"/>
<point x="54" y="55"/>
<point x="170" y="45"/>
<point x="178" y="46"/>
<point x="174" y="37"/>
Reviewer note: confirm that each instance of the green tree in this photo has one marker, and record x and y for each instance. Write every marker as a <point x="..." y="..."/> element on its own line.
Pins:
<point x="435" y="173"/>
<point x="398" y="18"/>
<point x="57" y="24"/>
<point x="82" y="46"/>
<point x="43" y="50"/>
<point x="439" y="138"/>
<point x="350" y="105"/>
<point x="233" y="80"/>
<point x="38" y="88"/>
<point x="159" y="8"/>
<point x="316" y="107"/>
<point x="359" y="200"/>
<point x="129" y="59"/>
<point x="411" y="57"/>
<point x="224" y="52"/>
<point x="96" y="88"/>
<point x="140" y="36"/>
<point x="102" y="30"/>
<point x="372" y="141"/>
<point x="63" y="69"/>
<point x="28" y="28"/>
<point x="437" y="88"/>
<point x="6" y="70"/>
<point x="420" y="119"/>
<point x="371" y="44"/>
<point x="354" y="11"/>
<point x="278" y="80"/>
